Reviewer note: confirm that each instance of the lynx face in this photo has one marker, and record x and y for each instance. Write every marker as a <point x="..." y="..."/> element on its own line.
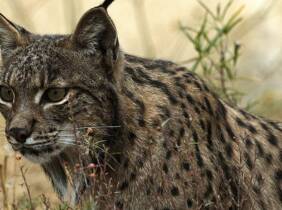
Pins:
<point x="54" y="87"/>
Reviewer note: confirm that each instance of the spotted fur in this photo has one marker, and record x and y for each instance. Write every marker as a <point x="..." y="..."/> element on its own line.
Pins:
<point x="169" y="142"/>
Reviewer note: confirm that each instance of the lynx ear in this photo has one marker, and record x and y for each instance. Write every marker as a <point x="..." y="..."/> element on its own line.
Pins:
<point x="96" y="32"/>
<point x="11" y="36"/>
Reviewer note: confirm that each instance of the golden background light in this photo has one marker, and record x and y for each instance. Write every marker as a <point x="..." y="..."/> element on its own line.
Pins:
<point x="150" y="28"/>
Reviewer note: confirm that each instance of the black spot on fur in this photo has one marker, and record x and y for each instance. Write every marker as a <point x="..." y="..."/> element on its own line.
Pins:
<point x="134" y="77"/>
<point x="140" y="163"/>
<point x="197" y="110"/>
<point x="264" y="126"/>
<point x="209" y="136"/>
<point x="123" y="186"/>
<point x="185" y="115"/>
<point x="249" y="143"/>
<point x="208" y="191"/>
<point x="189" y="203"/>
<point x="229" y="131"/>
<point x="119" y="204"/>
<point x="125" y="163"/>
<point x="141" y="122"/>
<point x="275" y="126"/>
<point x="245" y="114"/>
<point x="177" y="176"/>
<point x="179" y="84"/>
<point x="168" y="155"/>
<point x="260" y="149"/>
<point x="151" y="180"/>
<point x="202" y="124"/>
<point x="206" y="87"/>
<point x="200" y="160"/>
<point x="160" y="190"/>
<point x="183" y="106"/>
<point x="186" y="166"/>
<point x="188" y="81"/>
<point x="174" y="191"/>
<point x="140" y="104"/>
<point x="189" y="75"/>
<point x="272" y="139"/>
<point x="229" y="150"/>
<point x="224" y="166"/>
<point x="148" y="191"/>
<point x="198" y="85"/>
<point x="156" y="123"/>
<point x="221" y="110"/>
<point x="278" y="178"/>
<point x="248" y="160"/>
<point x="209" y="175"/>
<point x="181" y="69"/>
<point x="181" y="94"/>
<point x="242" y="124"/>
<point x="190" y="99"/>
<point x="165" y="168"/>
<point x="132" y="176"/>
<point x="269" y="158"/>
<point x="181" y="132"/>
<point x="157" y="84"/>
<point x="278" y="175"/>
<point x="171" y="133"/>
<point x="131" y="137"/>
<point x="221" y="135"/>
<point x="180" y="136"/>
<point x="208" y="106"/>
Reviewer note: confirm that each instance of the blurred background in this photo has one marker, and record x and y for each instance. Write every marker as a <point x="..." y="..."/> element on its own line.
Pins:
<point x="152" y="28"/>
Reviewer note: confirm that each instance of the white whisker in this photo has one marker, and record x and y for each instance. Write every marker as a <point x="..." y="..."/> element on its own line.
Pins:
<point x="105" y="126"/>
<point x="86" y="127"/>
<point x="66" y="140"/>
<point x="68" y="143"/>
<point x="80" y="128"/>
<point x="66" y="135"/>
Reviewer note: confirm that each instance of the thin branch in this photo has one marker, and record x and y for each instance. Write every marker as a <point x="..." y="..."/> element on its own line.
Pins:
<point x="27" y="188"/>
<point x="3" y="187"/>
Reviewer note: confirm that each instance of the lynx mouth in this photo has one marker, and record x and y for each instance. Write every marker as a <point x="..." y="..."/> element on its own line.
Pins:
<point x="36" y="150"/>
<point x="41" y="153"/>
<point x="39" y="149"/>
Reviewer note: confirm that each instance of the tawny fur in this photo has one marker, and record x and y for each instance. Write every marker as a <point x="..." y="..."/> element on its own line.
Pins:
<point x="161" y="139"/>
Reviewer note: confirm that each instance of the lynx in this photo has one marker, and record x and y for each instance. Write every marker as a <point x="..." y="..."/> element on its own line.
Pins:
<point x="129" y="132"/>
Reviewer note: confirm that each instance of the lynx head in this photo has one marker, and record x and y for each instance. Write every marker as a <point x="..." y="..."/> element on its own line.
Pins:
<point x="54" y="86"/>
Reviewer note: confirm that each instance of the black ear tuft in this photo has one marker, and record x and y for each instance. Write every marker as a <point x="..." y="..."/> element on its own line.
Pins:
<point x="106" y="4"/>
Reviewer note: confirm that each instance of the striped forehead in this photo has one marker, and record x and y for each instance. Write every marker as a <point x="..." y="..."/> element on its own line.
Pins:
<point x="29" y="68"/>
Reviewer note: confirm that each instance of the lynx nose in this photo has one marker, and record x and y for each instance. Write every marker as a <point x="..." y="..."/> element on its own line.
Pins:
<point x="19" y="134"/>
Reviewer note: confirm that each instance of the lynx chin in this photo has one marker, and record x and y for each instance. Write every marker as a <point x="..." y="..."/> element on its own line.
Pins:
<point x="128" y="132"/>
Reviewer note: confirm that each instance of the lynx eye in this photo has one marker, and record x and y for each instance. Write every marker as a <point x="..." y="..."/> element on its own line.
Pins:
<point x="55" y="94"/>
<point x="6" y="94"/>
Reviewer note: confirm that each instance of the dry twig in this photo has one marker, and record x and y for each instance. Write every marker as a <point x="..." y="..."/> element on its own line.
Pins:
<point x="27" y="188"/>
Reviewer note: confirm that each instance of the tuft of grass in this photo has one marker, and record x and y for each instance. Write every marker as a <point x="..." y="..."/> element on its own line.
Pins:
<point x="216" y="56"/>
